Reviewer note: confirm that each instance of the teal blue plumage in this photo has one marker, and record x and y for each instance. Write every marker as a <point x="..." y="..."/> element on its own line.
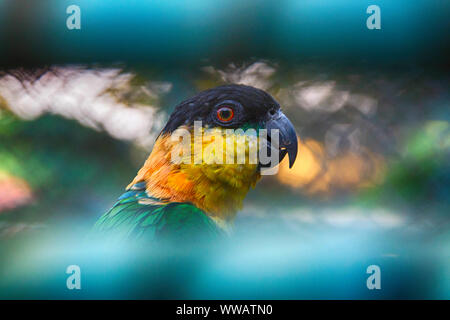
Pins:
<point x="134" y="217"/>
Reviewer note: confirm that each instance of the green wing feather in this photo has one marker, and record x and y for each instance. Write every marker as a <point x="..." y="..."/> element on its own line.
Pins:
<point x="134" y="217"/>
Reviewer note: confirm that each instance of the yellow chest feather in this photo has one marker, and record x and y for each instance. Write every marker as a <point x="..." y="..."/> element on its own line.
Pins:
<point x="217" y="189"/>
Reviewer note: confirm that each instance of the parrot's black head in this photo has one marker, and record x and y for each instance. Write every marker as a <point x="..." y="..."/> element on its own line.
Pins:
<point x="236" y="107"/>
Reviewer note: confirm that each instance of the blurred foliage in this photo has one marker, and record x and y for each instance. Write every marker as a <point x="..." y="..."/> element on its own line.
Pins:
<point x="418" y="179"/>
<point x="73" y="171"/>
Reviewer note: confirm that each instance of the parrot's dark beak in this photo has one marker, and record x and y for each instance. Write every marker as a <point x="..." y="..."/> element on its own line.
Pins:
<point x="287" y="136"/>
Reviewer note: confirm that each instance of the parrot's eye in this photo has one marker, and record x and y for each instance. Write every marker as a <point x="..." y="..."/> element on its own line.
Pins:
<point x="225" y="114"/>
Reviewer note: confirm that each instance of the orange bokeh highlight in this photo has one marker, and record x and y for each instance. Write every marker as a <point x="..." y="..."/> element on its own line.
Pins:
<point x="315" y="173"/>
<point x="14" y="191"/>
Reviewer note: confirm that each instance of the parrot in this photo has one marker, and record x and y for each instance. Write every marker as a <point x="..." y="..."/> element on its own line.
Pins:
<point x="187" y="200"/>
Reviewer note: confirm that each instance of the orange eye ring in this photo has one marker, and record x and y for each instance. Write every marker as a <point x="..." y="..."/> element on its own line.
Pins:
<point x="225" y="114"/>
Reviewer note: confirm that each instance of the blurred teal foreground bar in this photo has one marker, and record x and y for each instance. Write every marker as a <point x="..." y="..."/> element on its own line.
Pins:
<point x="328" y="265"/>
<point x="176" y="32"/>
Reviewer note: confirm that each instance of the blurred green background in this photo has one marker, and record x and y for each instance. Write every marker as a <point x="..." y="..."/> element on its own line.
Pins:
<point x="80" y="109"/>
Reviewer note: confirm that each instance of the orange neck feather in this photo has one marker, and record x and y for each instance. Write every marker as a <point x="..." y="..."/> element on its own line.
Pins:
<point x="219" y="190"/>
